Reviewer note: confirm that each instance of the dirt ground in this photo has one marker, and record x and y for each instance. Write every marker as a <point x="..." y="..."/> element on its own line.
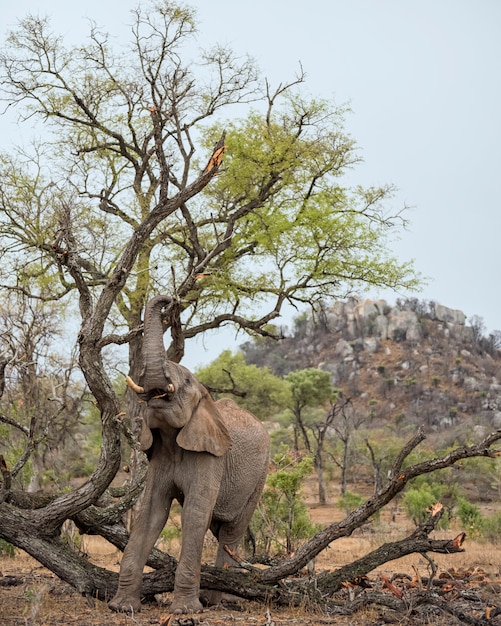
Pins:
<point x="30" y="595"/>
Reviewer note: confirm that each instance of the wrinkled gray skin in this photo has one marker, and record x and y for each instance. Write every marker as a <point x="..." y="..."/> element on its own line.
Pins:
<point x="210" y="456"/>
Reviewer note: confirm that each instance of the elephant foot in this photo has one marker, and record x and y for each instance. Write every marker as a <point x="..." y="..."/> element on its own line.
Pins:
<point x="184" y="604"/>
<point x="124" y="604"/>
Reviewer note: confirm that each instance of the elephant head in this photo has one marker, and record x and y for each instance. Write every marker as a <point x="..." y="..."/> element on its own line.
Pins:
<point x="175" y="399"/>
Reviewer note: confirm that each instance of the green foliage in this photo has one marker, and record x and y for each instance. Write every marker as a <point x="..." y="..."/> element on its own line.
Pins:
<point x="297" y="229"/>
<point x="311" y="387"/>
<point x="7" y="549"/>
<point x="265" y="393"/>
<point x="350" y="501"/>
<point x="491" y="528"/>
<point x="172" y="529"/>
<point x="470" y="516"/>
<point x="418" y="499"/>
<point x="281" y="519"/>
<point x="71" y="536"/>
<point x="282" y="436"/>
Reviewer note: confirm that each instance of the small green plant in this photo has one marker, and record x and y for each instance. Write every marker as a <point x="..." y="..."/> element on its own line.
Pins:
<point x="71" y="536"/>
<point x="281" y="519"/>
<point x="470" y="516"/>
<point x="170" y="532"/>
<point x="350" y="501"/>
<point x="418" y="500"/>
<point x="7" y="549"/>
<point x="491" y="528"/>
<point x="399" y="418"/>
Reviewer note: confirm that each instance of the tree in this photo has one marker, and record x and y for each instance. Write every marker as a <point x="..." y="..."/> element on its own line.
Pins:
<point x="257" y="389"/>
<point x="127" y="196"/>
<point x="345" y="422"/>
<point x="311" y="389"/>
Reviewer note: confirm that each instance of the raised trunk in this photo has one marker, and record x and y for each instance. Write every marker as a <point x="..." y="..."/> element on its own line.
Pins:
<point x="153" y="345"/>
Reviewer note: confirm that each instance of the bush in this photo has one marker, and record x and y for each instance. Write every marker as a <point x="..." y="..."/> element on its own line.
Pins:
<point x="281" y="519"/>
<point x="418" y="500"/>
<point x="491" y="528"/>
<point x="350" y="501"/>
<point x="470" y="516"/>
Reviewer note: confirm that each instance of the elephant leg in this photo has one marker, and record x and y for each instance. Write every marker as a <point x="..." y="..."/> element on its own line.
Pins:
<point x="195" y="518"/>
<point x="229" y="535"/>
<point x="145" y="531"/>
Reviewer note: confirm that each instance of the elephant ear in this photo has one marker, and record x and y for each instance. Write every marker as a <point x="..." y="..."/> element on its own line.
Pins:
<point x="145" y="437"/>
<point x="205" y="431"/>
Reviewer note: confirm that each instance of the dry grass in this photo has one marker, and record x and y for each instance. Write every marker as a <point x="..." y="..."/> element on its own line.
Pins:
<point x="43" y="600"/>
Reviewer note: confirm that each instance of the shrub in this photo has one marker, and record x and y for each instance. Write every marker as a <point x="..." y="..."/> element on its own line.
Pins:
<point x="350" y="501"/>
<point x="470" y="516"/>
<point x="491" y="528"/>
<point x="418" y="500"/>
<point x="281" y="519"/>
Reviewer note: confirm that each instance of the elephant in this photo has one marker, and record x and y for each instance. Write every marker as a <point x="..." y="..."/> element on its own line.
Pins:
<point x="211" y="456"/>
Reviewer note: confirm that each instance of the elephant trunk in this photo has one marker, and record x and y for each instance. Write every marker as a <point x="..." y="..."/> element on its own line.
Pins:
<point x="153" y="345"/>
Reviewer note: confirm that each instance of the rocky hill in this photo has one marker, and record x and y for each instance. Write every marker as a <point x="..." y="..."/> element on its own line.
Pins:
<point x="407" y="364"/>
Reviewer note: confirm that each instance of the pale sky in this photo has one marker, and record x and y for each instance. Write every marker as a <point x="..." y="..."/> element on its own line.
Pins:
<point x="423" y="79"/>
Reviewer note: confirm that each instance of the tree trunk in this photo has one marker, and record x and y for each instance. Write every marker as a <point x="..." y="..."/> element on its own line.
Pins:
<point x="344" y="467"/>
<point x="322" y="499"/>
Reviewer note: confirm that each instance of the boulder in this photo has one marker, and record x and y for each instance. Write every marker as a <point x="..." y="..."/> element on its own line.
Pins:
<point x="343" y="350"/>
<point x="381" y="327"/>
<point x="450" y="316"/>
<point x="403" y="324"/>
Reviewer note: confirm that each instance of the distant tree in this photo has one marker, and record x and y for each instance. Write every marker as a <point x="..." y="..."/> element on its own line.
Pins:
<point x="491" y="342"/>
<point x="310" y="388"/>
<point x="494" y="340"/>
<point x="345" y="422"/>
<point x="320" y="429"/>
<point x="477" y="326"/>
<point x="255" y="388"/>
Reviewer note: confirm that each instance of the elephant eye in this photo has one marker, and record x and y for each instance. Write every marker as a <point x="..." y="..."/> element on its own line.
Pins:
<point x="187" y="381"/>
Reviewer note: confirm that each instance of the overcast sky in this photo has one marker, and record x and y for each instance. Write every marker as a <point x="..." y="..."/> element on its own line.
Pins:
<point x="423" y="79"/>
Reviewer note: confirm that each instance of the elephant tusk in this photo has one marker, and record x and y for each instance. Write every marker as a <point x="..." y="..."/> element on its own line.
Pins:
<point x="133" y="385"/>
<point x="170" y="389"/>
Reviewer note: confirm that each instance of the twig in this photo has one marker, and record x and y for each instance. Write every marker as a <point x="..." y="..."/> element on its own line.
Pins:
<point x="433" y="570"/>
<point x="243" y="564"/>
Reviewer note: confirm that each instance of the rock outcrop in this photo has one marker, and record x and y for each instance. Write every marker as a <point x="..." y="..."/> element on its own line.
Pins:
<point x="418" y="363"/>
